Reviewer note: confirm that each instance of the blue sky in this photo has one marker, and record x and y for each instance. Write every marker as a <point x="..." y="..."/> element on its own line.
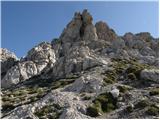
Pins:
<point x="25" y="24"/>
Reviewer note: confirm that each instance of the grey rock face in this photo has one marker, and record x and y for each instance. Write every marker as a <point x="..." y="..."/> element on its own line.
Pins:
<point x="118" y="44"/>
<point x="41" y="54"/>
<point x="36" y="60"/>
<point x="18" y="73"/>
<point x="88" y="83"/>
<point x="152" y="74"/>
<point x="8" y="59"/>
<point x="12" y="77"/>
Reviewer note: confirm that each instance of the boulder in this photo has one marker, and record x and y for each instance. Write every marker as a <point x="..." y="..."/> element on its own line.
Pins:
<point x="115" y="92"/>
<point x="18" y="73"/>
<point x="135" y="44"/>
<point x="88" y="83"/>
<point x="12" y="77"/>
<point x="147" y="51"/>
<point x="152" y="74"/>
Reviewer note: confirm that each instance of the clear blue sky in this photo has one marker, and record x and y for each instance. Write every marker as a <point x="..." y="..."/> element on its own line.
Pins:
<point x="25" y="24"/>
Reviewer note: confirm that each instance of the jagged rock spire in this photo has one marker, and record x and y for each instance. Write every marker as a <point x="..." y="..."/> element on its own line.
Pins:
<point x="80" y="27"/>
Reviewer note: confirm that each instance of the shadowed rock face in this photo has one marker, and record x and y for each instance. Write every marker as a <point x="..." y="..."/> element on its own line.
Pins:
<point x="88" y="72"/>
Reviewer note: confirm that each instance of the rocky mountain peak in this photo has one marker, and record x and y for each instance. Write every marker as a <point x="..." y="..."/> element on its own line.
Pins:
<point x="88" y="72"/>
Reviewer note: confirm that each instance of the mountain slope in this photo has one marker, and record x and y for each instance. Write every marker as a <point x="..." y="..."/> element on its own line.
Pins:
<point x="88" y="72"/>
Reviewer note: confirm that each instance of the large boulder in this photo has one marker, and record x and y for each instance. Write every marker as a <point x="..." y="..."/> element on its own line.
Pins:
<point x="115" y="92"/>
<point x="147" y="51"/>
<point x="152" y="74"/>
<point x="87" y="83"/>
<point x="12" y="77"/>
<point x="18" y="73"/>
<point x="8" y="59"/>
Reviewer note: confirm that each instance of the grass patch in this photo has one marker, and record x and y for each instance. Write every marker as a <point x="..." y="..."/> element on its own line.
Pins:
<point x="154" y="91"/>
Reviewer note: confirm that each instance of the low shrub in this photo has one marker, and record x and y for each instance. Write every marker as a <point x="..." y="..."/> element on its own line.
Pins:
<point x="103" y="103"/>
<point x="142" y="104"/>
<point x="154" y="91"/>
<point x="132" y="76"/>
<point x="153" y="110"/>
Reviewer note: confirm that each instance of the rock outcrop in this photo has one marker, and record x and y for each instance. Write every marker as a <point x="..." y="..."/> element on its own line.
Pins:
<point x="8" y="59"/>
<point x="104" y="32"/>
<point x="33" y="64"/>
<point x="88" y="72"/>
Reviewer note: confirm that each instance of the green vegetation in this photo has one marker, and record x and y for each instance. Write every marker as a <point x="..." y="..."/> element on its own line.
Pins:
<point x="120" y="66"/>
<point x="132" y="76"/>
<point x="110" y="78"/>
<point x="123" y="88"/>
<point x="103" y="103"/>
<point x="129" y="109"/>
<point x="7" y="106"/>
<point x="134" y="70"/>
<point x="142" y="104"/>
<point x="50" y="111"/>
<point x="154" y="91"/>
<point x="33" y="91"/>
<point x="94" y="110"/>
<point x="108" y="81"/>
<point x="153" y="110"/>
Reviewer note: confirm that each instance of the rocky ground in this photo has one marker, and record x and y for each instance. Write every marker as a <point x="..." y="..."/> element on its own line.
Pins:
<point x="88" y="72"/>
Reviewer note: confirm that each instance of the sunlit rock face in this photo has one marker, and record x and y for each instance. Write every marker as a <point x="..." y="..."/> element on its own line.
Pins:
<point x="104" y="32"/>
<point x="8" y="59"/>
